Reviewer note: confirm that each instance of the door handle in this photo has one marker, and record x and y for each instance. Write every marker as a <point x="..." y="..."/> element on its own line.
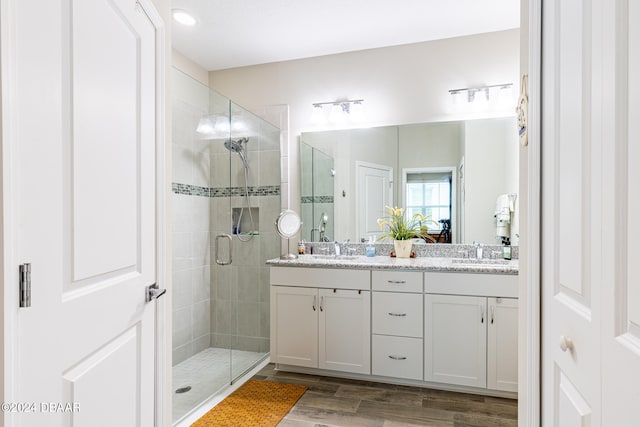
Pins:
<point x="230" y="239"/>
<point x="566" y="343"/>
<point x="152" y="292"/>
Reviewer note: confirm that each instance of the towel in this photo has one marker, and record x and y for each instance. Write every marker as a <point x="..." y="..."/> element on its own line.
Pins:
<point x="505" y="205"/>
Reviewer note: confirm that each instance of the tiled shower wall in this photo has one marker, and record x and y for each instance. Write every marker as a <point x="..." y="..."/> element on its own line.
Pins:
<point x="191" y="213"/>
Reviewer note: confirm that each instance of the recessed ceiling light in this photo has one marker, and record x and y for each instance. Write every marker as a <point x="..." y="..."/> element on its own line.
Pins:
<point x="183" y="17"/>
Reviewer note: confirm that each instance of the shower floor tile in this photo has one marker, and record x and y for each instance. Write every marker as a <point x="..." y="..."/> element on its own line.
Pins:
<point x="206" y="373"/>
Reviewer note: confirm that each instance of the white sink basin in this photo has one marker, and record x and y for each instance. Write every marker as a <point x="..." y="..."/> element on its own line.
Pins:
<point x="337" y="258"/>
<point x="480" y="261"/>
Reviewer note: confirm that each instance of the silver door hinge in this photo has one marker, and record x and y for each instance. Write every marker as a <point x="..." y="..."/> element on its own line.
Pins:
<point x="25" y="285"/>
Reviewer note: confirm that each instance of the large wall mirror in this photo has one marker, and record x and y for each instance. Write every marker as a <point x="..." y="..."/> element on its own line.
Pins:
<point x="463" y="174"/>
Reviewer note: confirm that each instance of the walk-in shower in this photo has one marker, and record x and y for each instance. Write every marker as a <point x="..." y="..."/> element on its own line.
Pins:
<point x="226" y="182"/>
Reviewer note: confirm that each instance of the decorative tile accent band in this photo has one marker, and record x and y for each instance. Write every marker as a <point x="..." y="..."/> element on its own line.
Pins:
<point x="195" y="190"/>
<point x="316" y="199"/>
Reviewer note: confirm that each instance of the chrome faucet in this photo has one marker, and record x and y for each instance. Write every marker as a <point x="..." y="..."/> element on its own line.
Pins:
<point x="478" y="247"/>
<point x="348" y="249"/>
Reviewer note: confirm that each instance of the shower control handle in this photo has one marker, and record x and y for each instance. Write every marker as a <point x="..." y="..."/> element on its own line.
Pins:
<point x="230" y="239"/>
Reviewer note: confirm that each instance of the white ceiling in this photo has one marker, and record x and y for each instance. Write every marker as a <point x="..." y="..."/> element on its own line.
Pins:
<point x="236" y="33"/>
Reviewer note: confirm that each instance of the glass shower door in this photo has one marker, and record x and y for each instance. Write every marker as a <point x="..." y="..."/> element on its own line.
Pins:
<point x="254" y="197"/>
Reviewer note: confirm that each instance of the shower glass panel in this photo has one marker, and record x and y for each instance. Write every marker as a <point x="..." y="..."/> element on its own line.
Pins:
<point x="226" y="195"/>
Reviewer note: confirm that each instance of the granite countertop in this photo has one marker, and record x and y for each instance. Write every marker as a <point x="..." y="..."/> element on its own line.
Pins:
<point x="467" y="265"/>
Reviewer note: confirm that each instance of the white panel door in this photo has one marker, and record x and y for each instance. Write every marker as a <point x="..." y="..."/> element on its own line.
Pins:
<point x="345" y="330"/>
<point x="374" y="191"/>
<point x="620" y="294"/>
<point x="455" y="345"/>
<point x="572" y="210"/>
<point x="83" y="209"/>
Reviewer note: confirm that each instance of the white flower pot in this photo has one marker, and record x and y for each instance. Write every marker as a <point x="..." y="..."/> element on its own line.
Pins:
<point x="403" y="248"/>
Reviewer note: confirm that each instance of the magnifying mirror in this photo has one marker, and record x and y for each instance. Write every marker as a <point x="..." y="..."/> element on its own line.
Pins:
<point x="288" y="224"/>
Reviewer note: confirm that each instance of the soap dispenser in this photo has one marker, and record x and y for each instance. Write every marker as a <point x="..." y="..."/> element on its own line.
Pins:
<point x="370" y="250"/>
<point x="506" y="248"/>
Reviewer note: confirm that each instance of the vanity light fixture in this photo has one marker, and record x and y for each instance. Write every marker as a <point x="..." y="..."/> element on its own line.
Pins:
<point x="341" y="112"/>
<point x="480" y="95"/>
<point x="183" y="17"/>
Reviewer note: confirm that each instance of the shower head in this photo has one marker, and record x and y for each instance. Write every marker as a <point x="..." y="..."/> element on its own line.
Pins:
<point x="235" y="146"/>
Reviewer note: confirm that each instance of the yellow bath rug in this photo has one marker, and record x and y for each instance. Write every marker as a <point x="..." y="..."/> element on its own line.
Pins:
<point x="255" y="404"/>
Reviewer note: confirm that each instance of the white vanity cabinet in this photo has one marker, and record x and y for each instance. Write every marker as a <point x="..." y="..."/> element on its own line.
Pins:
<point x="396" y="316"/>
<point x="502" y="344"/>
<point x="471" y="330"/>
<point x="407" y="326"/>
<point x="456" y="340"/>
<point x="294" y="326"/>
<point x="320" y="318"/>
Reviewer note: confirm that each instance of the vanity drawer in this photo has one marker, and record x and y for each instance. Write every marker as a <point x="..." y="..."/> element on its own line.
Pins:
<point x="397" y="314"/>
<point x="474" y="284"/>
<point x="397" y="357"/>
<point x="320" y="277"/>
<point x="397" y="281"/>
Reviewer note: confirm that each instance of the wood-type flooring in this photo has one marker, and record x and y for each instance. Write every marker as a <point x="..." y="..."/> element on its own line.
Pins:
<point x="333" y="402"/>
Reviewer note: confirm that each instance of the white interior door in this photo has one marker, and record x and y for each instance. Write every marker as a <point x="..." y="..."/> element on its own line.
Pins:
<point x="591" y="291"/>
<point x="620" y="296"/>
<point x="374" y="191"/>
<point x="82" y="209"/>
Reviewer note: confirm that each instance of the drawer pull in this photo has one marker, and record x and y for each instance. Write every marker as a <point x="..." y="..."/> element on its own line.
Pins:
<point x="397" y="357"/>
<point x="396" y="281"/>
<point x="398" y="314"/>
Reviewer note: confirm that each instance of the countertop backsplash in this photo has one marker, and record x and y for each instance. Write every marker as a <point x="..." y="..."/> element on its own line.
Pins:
<point x="435" y="250"/>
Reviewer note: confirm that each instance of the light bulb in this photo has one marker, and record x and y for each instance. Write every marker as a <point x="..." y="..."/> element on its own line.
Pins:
<point x="206" y="126"/>
<point x="356" y="114"/>
<point x="183" y="17"/>
<point x="317" y="115"/>
<point x="337" y="115"/>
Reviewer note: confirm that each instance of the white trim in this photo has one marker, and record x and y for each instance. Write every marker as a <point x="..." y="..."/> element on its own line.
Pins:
<point x="163" y="305"/>
<point x="453" y="170"/>
<point x="530" y="293"/>
<point x="10" y="293"/>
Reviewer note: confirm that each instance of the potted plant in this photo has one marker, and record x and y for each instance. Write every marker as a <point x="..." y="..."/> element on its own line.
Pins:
<point x="401" y="229"/>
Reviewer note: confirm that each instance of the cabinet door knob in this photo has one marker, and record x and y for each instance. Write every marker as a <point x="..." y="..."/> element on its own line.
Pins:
<point x="566" y="343"/>
<point x="398" y="314"/>
<point x="398" y="282"/>
<point x="314" y="303"/>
